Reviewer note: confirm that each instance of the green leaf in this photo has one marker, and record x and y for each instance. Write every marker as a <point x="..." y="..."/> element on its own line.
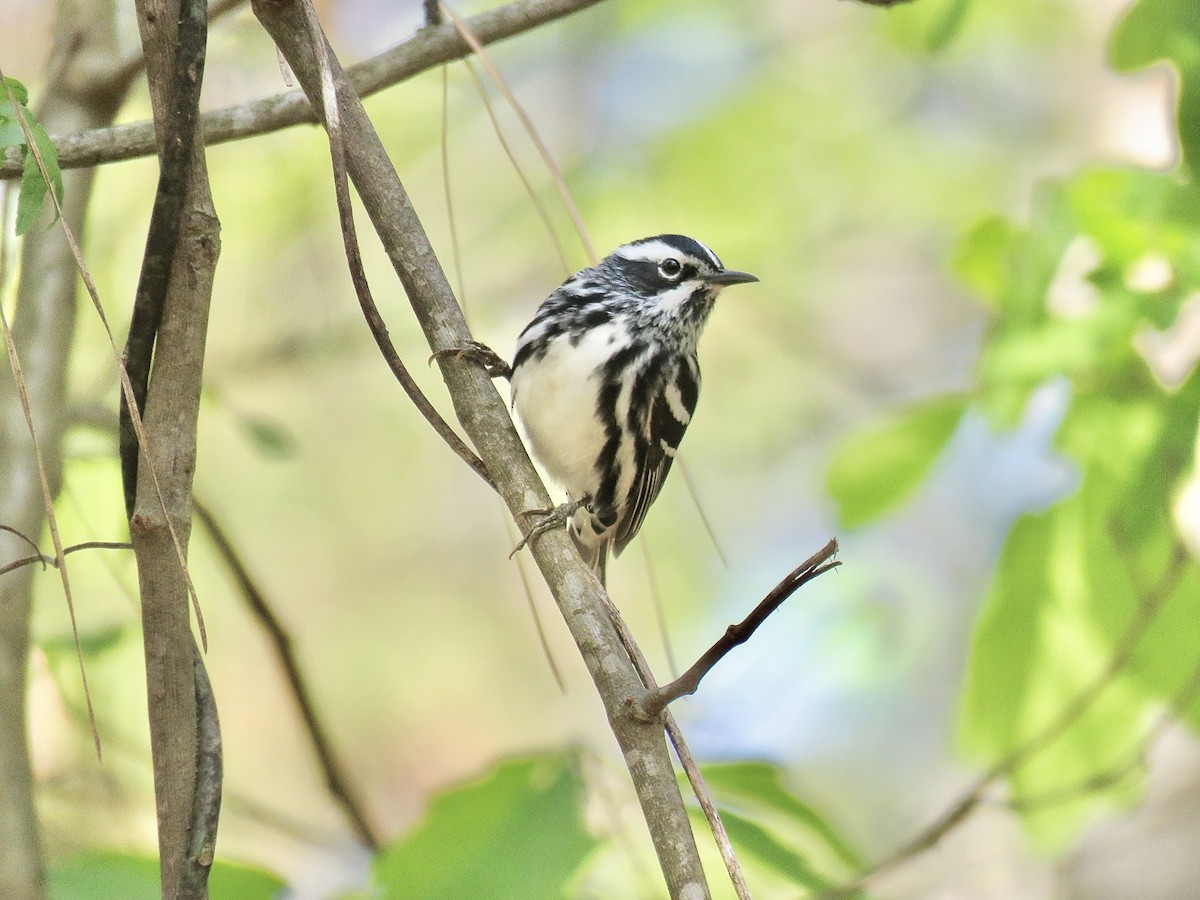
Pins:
<point x="947" y="25"/>
<point x="11" y="134"/>
<point x="270" y="437"/>
<point x="876" y="469"/>
<point x="1155" y="30"/>
<point x="981" y="258"/>
<point x="517" y="834"/>
<point x="93" y="643"/>
<point x="33" y="184"/>
<point x="1036" y="652"/>
<point x="761" y="784"/>
<point x="243" y="882"/>
<point x="20" y="93"/>
<point x="115" y="875"/>
<point x="754" y="840"/>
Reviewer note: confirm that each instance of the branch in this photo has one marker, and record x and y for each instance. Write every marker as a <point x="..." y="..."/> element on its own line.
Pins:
<point x="486" y="421"/>
<point x="429" y="47"/>
<point x="172" y="318"/>
<point x="687" y="683"/>
<point x="281" y="642"/>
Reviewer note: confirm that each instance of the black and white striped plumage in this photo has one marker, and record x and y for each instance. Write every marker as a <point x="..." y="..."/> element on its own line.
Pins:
<point x="605" y="380"/>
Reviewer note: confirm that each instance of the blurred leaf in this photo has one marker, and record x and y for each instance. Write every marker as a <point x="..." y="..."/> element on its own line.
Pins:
<point x="947" y="25"/>
<point x="93" y="643"/>
<point x="752" y="839"/>
<point x="980" y="260"/>
<point x="234" y="880"/>
<point x="11" y="134"/>
<point x="114" y="875"/>
<point x="518" y="834"/>
<point x="761" y="783"/>
<point x="270" y="437"/>
<point x="1036" y="650"/>
<point x="874" y="470"/>
<point x="1155" y="30"/>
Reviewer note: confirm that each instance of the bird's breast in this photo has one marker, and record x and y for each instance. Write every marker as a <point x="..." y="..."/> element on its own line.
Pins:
<point x="555" y="396"/>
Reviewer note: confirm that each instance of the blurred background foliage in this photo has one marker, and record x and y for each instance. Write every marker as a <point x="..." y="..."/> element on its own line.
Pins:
<point x="971" y="355"/>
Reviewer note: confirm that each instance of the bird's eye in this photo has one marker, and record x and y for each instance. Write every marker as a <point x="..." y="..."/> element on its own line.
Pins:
<point x="670" y="268"/>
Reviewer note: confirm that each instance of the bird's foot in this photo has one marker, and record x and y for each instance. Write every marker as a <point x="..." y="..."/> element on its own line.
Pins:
<point x="478" y="353"/>
<point x="549" y="520"/>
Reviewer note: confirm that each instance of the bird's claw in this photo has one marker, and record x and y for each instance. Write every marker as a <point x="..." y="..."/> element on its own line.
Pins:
<point x="550" y="519"/>
<point x="478" y="353"/>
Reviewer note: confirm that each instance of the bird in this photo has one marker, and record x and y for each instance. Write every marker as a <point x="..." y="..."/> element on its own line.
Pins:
<point x="605" y="379"/>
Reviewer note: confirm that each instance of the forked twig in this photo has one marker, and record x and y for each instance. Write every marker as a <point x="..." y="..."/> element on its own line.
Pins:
<point x="687" y="683"/>
<point x="60" y="555"/>
<point x="127" y="391"/>
<point x="52" y="561"/>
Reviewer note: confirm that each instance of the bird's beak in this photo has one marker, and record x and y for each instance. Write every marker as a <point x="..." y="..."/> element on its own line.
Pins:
<point x="729" y="276"/>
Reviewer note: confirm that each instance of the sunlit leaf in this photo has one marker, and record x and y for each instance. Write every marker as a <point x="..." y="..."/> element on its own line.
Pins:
<point x="517" y="834"/>
<point x="980" y="260"/>
<point x="876" y="469"/>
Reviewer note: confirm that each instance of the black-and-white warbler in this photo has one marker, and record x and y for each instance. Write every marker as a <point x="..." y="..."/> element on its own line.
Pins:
<point x="605" y="380"/>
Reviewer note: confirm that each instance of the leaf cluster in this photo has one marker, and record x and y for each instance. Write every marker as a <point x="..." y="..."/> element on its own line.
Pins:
<point x="1089" y="622"/>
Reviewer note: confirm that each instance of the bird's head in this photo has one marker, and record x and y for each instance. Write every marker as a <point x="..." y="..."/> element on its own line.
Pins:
<point x="674" y="278"/>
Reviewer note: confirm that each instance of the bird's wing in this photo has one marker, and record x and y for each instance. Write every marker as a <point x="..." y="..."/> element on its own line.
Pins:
<point x="667" y="419"/>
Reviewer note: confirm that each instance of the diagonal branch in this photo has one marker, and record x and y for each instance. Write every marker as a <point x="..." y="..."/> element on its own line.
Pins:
<point x="358" y="276"/>
<point x="485" y="418"/>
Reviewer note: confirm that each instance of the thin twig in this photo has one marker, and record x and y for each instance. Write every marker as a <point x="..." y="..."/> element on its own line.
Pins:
<point x="555" y="173"/>
<point x="511" y="530"/>
<point x="127" y="391"/>
<point x="816" y="565"/>
<point x="51" y="561"/>
<point x="27" y="411"/>
<point x="451" y="218"/>
<point x="20" y="534"/>
<point x="683" y="468"/>
<point x="281" y="643"/>
<point x="538" y="205"/>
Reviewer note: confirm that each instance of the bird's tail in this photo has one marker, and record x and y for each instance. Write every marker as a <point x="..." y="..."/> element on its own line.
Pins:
<point x="594" y="553"/>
